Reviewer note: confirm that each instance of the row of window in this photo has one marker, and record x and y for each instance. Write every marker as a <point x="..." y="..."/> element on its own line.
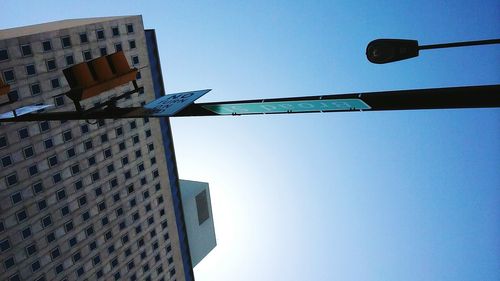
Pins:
<point x="66" y="42"/>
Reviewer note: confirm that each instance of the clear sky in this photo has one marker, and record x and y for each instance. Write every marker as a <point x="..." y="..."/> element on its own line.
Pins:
<point x="411" y="195"/>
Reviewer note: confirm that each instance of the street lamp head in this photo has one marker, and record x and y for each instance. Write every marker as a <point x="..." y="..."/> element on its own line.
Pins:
<point x="389" y="50"/>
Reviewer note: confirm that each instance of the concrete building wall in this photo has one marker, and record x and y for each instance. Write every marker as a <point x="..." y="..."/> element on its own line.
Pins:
<point x="103" y="209"/>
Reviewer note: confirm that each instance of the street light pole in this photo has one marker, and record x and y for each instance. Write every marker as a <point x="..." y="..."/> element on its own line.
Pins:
<point x="382" y="51"/>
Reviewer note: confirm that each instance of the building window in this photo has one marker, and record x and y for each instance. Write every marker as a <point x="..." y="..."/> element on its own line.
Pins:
<point x="3" y="141"/>
<point x="91" y="160"/>
<point x="135" y="139"/>
<point x="70" y="60"/>
<point x="121" y="145"/>
<point x="75" y="169"/>
<point x="132" y="202"/>
<point x="108" y="235"/>
<point x="103" y="51"/>
<point x="11" y="179"/>
<point x="16" y="198"/>
<point x="130" y="28"/>
<point x="30" y="69"/>
<point x="55" y="83"/>
<point x="4" y="55"/>
<point x="28" y="152"/>
<point x="93" y="245"/>
<point x="89" y="231"/>
<point x="31" y="249"/>
<point x="151" y="147"/>
<point x="5" y="245"/>
<point x="138" y="154"/>
<point x="138" y="76"/>
<point x="135" y="60"/>
<point x="82" y="200"/>
<point x="9" y="76"/>
<point x="153" y="160"/>
<point x="104" y="221"/>
<point x="64" y="211"/>
<point x="48" y="143"/>
<point x="61" y="194"/>
<point x="88" y="144"/>
<point x="70" y="152"/>
<point x="86" y="216"/>
<point x="52" y="160"/>
<point x="35" y="89"/>
<point x="68" y="226"/>
<point x="84" y="38"/>
<point x="104" y="138"/>
<point x="78" y="184"/>
<point x="6" y="161"/>
<point x="76" y="257"/>
<point x="125" y="160"/>
<point x="51" y="64"/>
<point x="87" y="55"/>
<point x="33" y="170"/>
<point x="98" y="191"/>
<point x="55" y="253"/>
<point x="73" y="242"/>
<point x="107" y="153"/>
<point x="42" y="204"/>
<point x="119" y="131"/>
<point x="37" y="187"/>
<point x="96" y="260"/>
<point x="26" y="50"/>
<point x="118" y="47"/>
<point x="131" y="44"/>
<point x="57" y="177"/>
<point x="128" y="175"/>
<point x="44" y="126"/>
<point x="115" y="31"/>
<point x="35" y="266"/>
<point x="59" y="101"/>
<point x="113" y="183"/>
<point x="67" y="136"/>
<point x="100" y="34"/>
<point x="140" y="167"/>
<point x="66" y="41"/>
<point x="47" y="46"/>
<point x="95" y="176"/>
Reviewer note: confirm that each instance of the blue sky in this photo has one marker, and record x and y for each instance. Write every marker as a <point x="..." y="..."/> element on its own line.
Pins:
<point x="410" y="195"/>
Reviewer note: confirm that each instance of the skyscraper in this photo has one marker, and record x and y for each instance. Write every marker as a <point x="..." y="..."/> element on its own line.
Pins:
<point x="95" y="199"/>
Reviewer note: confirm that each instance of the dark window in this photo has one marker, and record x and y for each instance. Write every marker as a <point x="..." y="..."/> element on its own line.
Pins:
<point x="4" y="55"/>
<point x="73" y="242"/>
<point x="128" y="175"/>
<point x="80" y="271"/>
<point x="99" y="273"/>
<point x="78" y="184"/>
<point x="33" y="170"/>
<point x="26" y="232"/>
<point x="59" y="268"/>
<point x="51" y="237"/>
<point x="151" y="147"/>
<point x="86" y="216"/>
<point x="148" y="207"/>
<point x="44" y="126"/>
<point x="48" y="143"/>
<point x="61" y="194"/>
<point x="116" y="197"/>
<point x="31" y="249"/>
<point x="164" y="224"/>
<point x="47" y="45"/>
<point x="96" y="260"/>
<point x="66" y="42"/>
<point x="95" y="176"/>
<point x="55" y="84"/>
<point x="119" y="212"/>
<point x="52" y="160"/>
<point x="64" y="211"/>
<point x="102" y="206"/>
<point x="46" y="221"/>
<point x="104" y="138"/>
<point x="22" y="215"/>
<point x="119" y="131"/>
<point x="130" y="28"/>
<point x="107" y="153"/>
<point x="108" y="235"/>
<point x="37" y="188"/>
<point x="87" y="55"/>
<point x="153" y="161"/>
<point x="138" y="229"/>
<point x="115" y="30"/>
<point x="70" y="152"/>
<point x="118" y="47"/>
<point x="42" y="204"/>
<point x="138" y="76"/>
<point x="23" y="133"/>
<point x="135" y="216"/>
<point x="104" y="221"/>
<point x="98" y="191"/>
<point x="130" y="265"/>
<point x="117" y="276"/>
<point x="35" y="89"/>
<point x="6" y="161"/>
<point x="13" y="95"/>
<point x="70" y="60"/>
<point x="130" y="188"/>
<point x="28" y="152"/>
<point x="93" y="246"/>
<point x="67" y="136"/>
<point x="88" y="144"/>
<point x="145" y="194"/>
<point x="132" y="202"/>
<point x="82" y="200"/>
<point x="125" y="160"/>
<point x="75" y="169"/>
<point x="135" y="139"/>
<point x="122" y="225"/>
<point x="101" y="122"/>
<point x="4" y="245"/>
<point x="89" y="231"/>
<point x="135" y="60"/>
<point x="77" y="257"/>
<point x="151" y="220"/>
<point x="131" y="44"/>
<point x="84" y="128"/>
<point x="111" y="249"/>
<point x="83" y="38"/>
<point x="11" y="179"/>
<point x="144" y="181"/>
<point x="103" y="51"/>
<point x="3" y="141"/>
<point x="121" y="145"/>
<point x="133" y="125"/>
<point x="30" y="69"/>
<point x="91" y="160"/>
<point x="35" y="266"/>
<point x="100" y="34"/>
<point x="51" y="64"/>
<point x="110" y="168"/>
<point x="55" y="253"/>
<point x="68" y="226"/>
<point x="138" y="154"/>
<point x="26" y="50"/>
<point x="16" y="198"/>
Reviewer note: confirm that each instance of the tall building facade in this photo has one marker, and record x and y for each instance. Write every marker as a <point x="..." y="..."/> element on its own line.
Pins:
<point x="83" y="200"/>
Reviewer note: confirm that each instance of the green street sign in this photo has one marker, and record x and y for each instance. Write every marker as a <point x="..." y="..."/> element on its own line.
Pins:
<point x="288" y="106"/>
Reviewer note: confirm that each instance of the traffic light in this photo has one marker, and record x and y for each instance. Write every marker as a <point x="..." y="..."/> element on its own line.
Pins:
<point x="389" y="50"/>
<point x="88" y="79"/>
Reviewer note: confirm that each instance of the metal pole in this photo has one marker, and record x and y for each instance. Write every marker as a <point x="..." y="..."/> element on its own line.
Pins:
<point x="459" y="44"/>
